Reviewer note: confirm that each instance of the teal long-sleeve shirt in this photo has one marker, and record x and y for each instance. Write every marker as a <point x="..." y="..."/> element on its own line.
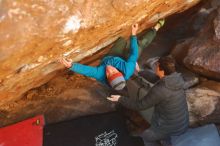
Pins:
<point x="126" y="67"/>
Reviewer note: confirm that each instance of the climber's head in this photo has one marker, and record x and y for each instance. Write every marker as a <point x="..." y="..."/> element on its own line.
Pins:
<point x="115" y="78"/>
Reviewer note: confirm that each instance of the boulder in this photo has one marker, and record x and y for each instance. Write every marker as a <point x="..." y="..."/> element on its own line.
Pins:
<point x="201" y="53"/>
<point x="35" y="33"/>
<point x="203" y="103"/>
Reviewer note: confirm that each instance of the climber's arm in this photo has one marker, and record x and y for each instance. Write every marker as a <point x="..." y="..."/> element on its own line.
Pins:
<point x="134" y="45"/>
<point x="88" y="71"/>
<point x="85" y="70"/>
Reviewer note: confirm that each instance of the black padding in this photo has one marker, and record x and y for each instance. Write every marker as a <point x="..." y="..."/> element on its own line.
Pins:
<point x="96" y="130"/>
<point x="202" y="136"/>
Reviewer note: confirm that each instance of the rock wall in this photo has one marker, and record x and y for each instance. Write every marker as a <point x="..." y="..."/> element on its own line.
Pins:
<point x="201" y="53"/>
<point x="203" y="105"/>
<point x="35" y="33"/>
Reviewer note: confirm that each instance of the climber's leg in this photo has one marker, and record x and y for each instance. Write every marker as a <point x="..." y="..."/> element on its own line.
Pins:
<point x="118" y="48"/>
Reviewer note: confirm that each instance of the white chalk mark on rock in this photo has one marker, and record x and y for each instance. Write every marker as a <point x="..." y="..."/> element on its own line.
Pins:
<point x="41" y="59"/>
<point x="63" y="8"/>
<point x="72" y="25"/>
<point x="154" y="18"/>
<point x="72" y="51"/>
<point x="27" y="67"/>
<point x="63" y="39"/>
<point x="67" y="43"/>
<point x="189" y="1"/>
<point x="14" y="4"/>
<point x="36" y="6"/>
<point x="17" y="11"/>
<point x="2" y="18"/>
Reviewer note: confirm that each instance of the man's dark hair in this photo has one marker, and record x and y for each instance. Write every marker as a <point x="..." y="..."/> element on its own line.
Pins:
<point x="167" y="64"/>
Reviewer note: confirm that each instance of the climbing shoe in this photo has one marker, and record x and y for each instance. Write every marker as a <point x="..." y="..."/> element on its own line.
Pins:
<point x="161" y="22"/>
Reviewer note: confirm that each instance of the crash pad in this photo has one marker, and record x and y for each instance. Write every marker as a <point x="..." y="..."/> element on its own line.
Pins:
<point x="107" y="129"/>
<point x="25" y="133"/>
<point x="202" y="136"/>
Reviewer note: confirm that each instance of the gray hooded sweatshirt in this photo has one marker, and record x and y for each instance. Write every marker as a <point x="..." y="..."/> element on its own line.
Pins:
<point x="170" y="107"/>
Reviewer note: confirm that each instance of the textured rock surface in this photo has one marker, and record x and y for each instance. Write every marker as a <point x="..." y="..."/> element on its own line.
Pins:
<point x="35" y="33"/>
<point x="203" y="104"/>
<point x="201" y="53"/>
<point x="65" y="97"/>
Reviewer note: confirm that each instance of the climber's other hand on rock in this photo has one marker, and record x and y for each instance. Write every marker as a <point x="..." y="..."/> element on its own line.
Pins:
<point x="134" y="29"/>
<point x="66" y="62"/>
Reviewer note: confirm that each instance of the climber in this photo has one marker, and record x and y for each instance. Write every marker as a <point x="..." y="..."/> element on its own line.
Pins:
<point x="170" y="115"/>
<point x="120" y="64"/>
